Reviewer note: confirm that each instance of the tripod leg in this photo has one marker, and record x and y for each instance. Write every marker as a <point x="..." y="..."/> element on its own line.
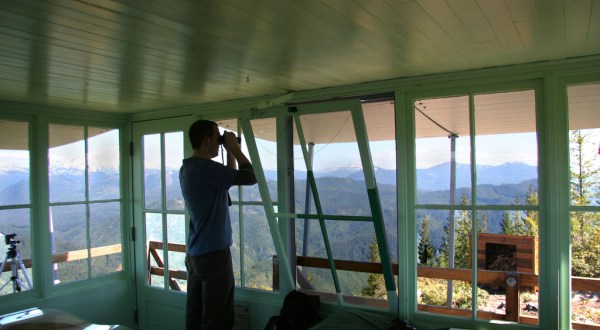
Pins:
<point x="16" y="284"/>
<point x="15" y="275"/>
<point x="4" y="285"/>
<point x="2" y="270"/>
<point x="24" y="270"/>
<point x="3" y="264"/>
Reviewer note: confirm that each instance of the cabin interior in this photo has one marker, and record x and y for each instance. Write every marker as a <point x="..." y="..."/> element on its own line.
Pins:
<point x="377" y="131"/>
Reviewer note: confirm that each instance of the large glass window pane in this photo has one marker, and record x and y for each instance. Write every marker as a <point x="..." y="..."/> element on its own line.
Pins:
<point x="165" y="220"/>
<point x="337" y="167"/>
<point x="442" y="150"/>
<point x="105" y="236"/>
<point x="265" y="133"/>
<point x="258" y="249"/>
<point x="173" y="157"/>
<point x="69" y="238"/>
<point x="152" y="172"/>
<point x="442" y="146"/>
<point x="507" y="252"/>
<point x="355" y="241"/>
<point x="506" y="157"/>
<point x="238" y="243"/>
<point x="104" y="164"/>
<point x="15" y="229"/>
<point x="584" y="139"/>
<point x="506" y="147"/>
<point x="310" y="243"/>
<point x="154" y="248"/>
<point x="15" y="225"/>
<point x="67" y="161"/>
<point x="176" y="257"/>
<point x="14" y="163"/>
<point x="585" y="271"/>
<point x="444" y="260"/>
<point x="84" y="165"/>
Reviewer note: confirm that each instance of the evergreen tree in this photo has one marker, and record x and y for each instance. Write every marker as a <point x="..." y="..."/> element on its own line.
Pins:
<point x="375" y="283"/>
<point x="426" y="249"/>
<point x="483" y="223"/>
<point x="463" y="234"/>
<point x="585" y="185"/>
<point x="507" y="225"/>
<point x="530" y="223"/>
<point x="442" y="256"/>
<point x="518" y="218"/>
<point x="584" y="171"/>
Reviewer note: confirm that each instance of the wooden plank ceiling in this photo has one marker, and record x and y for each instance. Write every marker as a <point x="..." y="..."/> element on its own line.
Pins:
<point x="133" y="56"/>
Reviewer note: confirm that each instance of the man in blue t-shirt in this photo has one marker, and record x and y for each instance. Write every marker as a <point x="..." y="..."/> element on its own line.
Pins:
<point x="204" y="185"/>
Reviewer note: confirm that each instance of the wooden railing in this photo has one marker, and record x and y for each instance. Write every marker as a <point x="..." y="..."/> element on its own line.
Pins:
<point x="73" y="255"/>
<point x="484" y="277"/>
<point x="159" y="269"/>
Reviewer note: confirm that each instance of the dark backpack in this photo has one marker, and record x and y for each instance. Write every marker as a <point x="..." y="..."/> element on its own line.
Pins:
<point x="300" y="312"/>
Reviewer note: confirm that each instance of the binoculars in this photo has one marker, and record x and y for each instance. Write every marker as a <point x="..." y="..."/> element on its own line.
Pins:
<point x="222" y="139"/>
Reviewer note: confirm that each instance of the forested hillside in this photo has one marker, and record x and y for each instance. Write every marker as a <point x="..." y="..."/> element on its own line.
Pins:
<point x="340" y="194"/>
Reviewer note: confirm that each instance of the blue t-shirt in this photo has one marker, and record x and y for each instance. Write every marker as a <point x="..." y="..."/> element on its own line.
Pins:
<point x="204" y="185"/>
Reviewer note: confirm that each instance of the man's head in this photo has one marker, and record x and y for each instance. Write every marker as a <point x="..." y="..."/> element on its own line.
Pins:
<point x="204" y="132"/>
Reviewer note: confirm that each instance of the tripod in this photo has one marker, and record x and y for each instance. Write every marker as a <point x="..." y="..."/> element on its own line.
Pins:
<point x="16" y="263"/>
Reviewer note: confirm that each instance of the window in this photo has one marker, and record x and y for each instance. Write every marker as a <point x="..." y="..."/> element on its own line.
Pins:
<point x="584" y="143"/>
<point x="478" y="177"/>
<point x="15" y="207"/>
<point x="346" y="200"/>
<point x="253" y="249"/>
<point x="165" y="219"/>
<point x="85" y="202"/>
<point x="163" y="210"/>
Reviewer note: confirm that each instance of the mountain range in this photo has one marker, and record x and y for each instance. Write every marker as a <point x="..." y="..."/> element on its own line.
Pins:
<point x="434" y="178"/>
<point x="14" y="183"/>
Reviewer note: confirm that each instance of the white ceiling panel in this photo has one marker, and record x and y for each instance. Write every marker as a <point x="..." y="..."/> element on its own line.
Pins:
<point x="144" y="55"/>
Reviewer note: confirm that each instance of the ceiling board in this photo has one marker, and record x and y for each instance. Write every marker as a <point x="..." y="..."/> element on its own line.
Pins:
<point x="146" y="55"/>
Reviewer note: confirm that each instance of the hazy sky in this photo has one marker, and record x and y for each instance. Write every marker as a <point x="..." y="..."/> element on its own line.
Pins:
<point x="490" y="150"/>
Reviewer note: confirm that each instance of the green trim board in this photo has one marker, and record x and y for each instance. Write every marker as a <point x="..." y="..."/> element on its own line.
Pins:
<point x="376" y="211"/>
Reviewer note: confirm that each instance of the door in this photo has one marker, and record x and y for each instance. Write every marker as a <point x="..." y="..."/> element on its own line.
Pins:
<point x="160" y="222"/>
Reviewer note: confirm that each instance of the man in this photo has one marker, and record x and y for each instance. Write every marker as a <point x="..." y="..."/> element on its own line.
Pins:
<point x="205" y="184"/>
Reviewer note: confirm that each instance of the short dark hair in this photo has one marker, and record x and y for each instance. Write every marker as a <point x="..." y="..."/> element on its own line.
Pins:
<point x="199" y="130"/>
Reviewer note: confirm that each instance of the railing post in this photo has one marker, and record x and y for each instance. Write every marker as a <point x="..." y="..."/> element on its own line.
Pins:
<point x="513" y="301"/>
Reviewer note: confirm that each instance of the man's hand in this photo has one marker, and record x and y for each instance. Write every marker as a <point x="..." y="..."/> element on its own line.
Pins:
<point x="230" y="141"/>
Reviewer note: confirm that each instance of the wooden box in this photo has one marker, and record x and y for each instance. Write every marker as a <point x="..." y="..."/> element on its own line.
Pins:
<point x="507" y="253"/>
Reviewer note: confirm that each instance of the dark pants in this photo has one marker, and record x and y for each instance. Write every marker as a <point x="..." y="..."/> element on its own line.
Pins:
<point x="210" y="291"/>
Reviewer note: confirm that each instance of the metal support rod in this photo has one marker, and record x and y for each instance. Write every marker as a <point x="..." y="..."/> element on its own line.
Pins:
<point x="451" y="223"/>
